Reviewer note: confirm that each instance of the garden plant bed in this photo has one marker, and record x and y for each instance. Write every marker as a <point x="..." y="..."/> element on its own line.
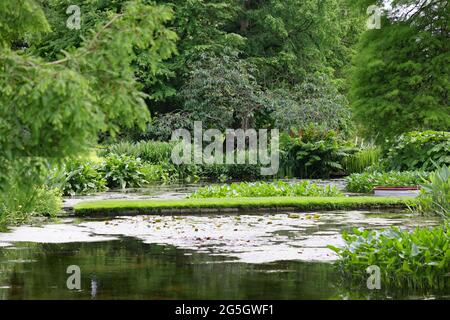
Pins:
<point x="271" y="204"/>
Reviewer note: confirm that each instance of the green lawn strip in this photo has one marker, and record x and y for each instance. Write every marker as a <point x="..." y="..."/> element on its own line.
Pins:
<point x="245" y="204"/>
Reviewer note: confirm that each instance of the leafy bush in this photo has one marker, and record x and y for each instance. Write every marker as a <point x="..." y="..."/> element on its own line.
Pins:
<point x="266" y="189"/>
<point x="311" y="153"/>
<point x="227" y="83"/>
<point x="315" y="101"/>
<point x="435" y="193"/>
<point x="364" y="182"/>
<point x="361" y="160"/>
<point x="80" y="177"/>
<point x="121" y="171"/>
<point x="419" y="150"/>
<point x="154" y="152"/>
<point x="418" y="259"/>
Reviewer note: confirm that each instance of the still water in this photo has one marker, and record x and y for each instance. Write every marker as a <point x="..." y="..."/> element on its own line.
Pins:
<point x="277" y="256"/>
<point x="130" y="269"/>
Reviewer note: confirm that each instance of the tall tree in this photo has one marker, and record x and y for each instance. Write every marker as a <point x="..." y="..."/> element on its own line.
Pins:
<point x="401" y="75"/>
<point x="290" y="40"/>
<point x="222" y="92"/>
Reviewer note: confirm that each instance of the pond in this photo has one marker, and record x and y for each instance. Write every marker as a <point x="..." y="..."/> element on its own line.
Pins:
<point x="263" y="256"/>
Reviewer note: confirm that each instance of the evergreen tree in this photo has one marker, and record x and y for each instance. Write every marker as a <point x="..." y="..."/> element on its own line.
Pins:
<point x="401" y="76"/>
<point x="50" y="110"/>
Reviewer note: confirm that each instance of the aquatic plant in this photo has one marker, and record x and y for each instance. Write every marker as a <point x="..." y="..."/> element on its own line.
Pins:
<point x="415" y="259"/>
<point x="364" y="182"/>
<point x="266" y="189"/>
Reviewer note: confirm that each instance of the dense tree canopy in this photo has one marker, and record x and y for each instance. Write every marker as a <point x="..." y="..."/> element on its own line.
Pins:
<point x="287" y="42"/>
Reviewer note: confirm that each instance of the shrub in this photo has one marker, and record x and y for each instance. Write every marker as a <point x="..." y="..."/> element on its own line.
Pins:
<point x="418" y="259"/>
<point x="121" y="171"/>
<point x="364" y="182"/>
<point x="311" y="153"/>
<point x="419" y="150"/>
<point x="266" y="189"/>
<point x="435" y="193"/>
<point x="80" y="177"/>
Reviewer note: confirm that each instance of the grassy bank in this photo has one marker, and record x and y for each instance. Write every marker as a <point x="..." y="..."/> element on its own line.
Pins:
<point x="240" y="204"/>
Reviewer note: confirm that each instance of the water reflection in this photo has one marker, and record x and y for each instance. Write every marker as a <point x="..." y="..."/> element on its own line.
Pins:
<point x="130" y="269"/>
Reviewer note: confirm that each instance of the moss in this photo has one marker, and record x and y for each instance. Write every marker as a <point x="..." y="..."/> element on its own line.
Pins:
<point x="238" y="204"/>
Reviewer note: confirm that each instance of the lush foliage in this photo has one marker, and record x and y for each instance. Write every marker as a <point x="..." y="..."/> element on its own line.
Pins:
<point x="159" y="153"/>
<point x="61" y="105"/>
<point x="80" y="177"/>
<point x="266" y="189"/>
<point x="163" y="125"/>
<point x="419" y="150"/>
<point x="418" y="258"/>
<point x="364" y="182"/>
<point x="311" y="153"/>
<point x="51" y="109"/>
<point x="121" y="171"/>
<point x="401" y="75"/>
<point x="435" y="193"/>
<point x="288" y="40"/>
